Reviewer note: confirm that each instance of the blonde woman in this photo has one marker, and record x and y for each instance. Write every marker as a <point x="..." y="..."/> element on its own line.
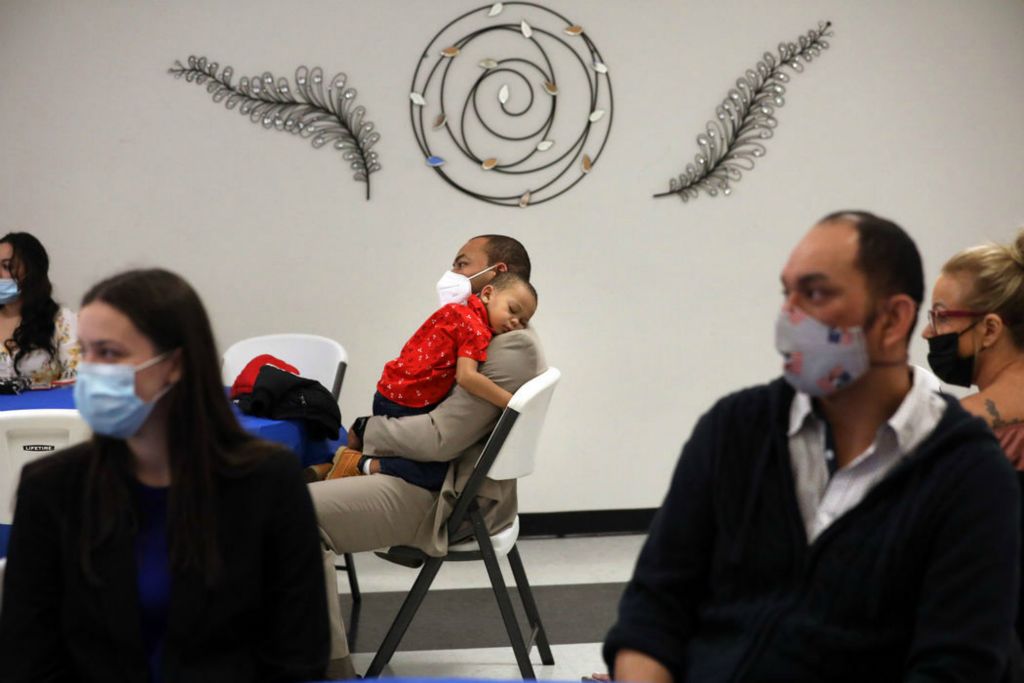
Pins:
<point x="975" y="336"/>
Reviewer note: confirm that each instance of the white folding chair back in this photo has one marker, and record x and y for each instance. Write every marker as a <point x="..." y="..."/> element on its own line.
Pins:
<point x="518" y="454"/>
<point x="511" y="451"/>
<point x="27" y="435"/>
<point x="314" y="356"/>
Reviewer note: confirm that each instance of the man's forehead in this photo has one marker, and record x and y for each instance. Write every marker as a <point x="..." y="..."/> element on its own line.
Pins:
<point x="828" y="250"/>
<point x="475" y="246"/>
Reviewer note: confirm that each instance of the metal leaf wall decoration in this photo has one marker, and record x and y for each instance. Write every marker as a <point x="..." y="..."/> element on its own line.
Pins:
<point x="511" y="104"/>
<point x="745" y="119"/>
<point x="326" y="117"/>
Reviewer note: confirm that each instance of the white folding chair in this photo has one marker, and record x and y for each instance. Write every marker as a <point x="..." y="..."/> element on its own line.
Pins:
<point x="26" y="435"/>
<point x="510" y="453"/>
<point x="314" y="356"/>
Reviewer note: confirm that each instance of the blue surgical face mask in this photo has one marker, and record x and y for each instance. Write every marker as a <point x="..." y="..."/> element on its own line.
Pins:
<point x="8" y="290"/>
<point x="105" y="396"/>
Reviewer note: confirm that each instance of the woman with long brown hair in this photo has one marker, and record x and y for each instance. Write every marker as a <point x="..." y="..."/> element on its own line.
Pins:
<point x="38" y="335"/>
<point x="173" y="546"/>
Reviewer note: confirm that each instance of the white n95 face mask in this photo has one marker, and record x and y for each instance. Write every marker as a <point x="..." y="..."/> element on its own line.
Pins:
<point x="455" y="288"/>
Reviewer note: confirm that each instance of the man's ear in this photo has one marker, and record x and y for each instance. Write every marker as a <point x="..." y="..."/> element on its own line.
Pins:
<point x="501" y="267"/>
<point x="991" y="328"/>
<point x="898" y="319"/>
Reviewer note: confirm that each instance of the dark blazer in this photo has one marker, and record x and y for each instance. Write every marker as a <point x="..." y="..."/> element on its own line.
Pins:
<point x="264" y="620"/>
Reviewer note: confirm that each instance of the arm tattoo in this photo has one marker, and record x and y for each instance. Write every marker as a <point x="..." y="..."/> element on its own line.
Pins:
<point x="997" y="419"/>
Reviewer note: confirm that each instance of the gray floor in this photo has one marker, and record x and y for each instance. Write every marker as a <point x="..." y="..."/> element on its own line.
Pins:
<point x="458" y="631"/>
<point x="469" y="618"/>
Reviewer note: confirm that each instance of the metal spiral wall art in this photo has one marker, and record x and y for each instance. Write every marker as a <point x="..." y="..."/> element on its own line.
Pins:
<point x="745" y="119"/>
<point x="326" y="117"/>
<point x="511" y="104"/>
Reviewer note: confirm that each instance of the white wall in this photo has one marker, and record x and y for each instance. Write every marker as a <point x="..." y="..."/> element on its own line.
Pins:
<point x="651" y="308"/>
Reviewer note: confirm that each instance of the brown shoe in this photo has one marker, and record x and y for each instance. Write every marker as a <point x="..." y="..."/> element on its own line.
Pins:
<point x="346" y="464"/>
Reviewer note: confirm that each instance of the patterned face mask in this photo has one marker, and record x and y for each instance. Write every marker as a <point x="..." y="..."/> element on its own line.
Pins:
<point x="817" y="359"/>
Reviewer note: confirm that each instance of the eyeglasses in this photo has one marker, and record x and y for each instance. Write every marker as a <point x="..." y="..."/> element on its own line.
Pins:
<point x="940" y="316"/>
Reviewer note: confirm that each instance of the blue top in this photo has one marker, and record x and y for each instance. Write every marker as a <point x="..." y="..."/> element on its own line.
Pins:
<point x="154" y="574"/>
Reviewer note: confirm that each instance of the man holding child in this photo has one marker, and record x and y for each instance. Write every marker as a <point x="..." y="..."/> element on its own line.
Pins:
<point x="367" y="512"/>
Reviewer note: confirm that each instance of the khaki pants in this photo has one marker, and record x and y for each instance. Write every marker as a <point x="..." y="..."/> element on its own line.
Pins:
<point x="362" y="513"/>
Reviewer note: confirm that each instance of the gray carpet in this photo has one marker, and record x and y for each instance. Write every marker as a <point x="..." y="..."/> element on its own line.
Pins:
<point x="469" y="618"/>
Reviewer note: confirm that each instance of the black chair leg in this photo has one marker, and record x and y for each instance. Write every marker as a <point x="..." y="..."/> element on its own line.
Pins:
<point x="353" y="581"/>
<point x="530" y="606"/>
<point x="508" y="615"/>
<point x="405" y="615"/>
<point x="352" y="626"/>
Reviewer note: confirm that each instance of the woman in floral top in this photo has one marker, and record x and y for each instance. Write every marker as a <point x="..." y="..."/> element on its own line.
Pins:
<point x="39" y="339"/>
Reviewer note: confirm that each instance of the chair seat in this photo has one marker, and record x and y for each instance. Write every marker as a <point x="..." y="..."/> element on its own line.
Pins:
<point x="407" y="556"/>
<point x="502" y="541"/>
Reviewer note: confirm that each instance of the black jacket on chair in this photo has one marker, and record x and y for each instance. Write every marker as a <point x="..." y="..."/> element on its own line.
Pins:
<point x="281" y="395"/>
<point x="264" y="620"/>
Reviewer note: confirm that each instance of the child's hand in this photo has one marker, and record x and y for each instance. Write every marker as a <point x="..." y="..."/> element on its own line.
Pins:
<point x="355" y="433"/>
<point x="354" y="441"/>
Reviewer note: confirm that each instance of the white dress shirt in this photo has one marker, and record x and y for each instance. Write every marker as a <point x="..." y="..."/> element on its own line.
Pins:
<point x="821" y="500"/>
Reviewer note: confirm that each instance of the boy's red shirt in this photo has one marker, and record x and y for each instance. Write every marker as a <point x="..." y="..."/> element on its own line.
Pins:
<point x="424" y="372"/>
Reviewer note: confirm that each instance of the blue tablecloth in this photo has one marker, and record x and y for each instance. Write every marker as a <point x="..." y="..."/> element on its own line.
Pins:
<point x="287" y="432"/>
<point x="290" y="433"/>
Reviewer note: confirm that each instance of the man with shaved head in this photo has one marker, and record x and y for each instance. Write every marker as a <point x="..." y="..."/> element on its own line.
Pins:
<point x="482" y="258"/>
<point x="842" y="523"/>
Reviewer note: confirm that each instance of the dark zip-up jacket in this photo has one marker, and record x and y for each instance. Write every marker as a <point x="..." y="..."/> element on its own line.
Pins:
<point x="918" y="582"/>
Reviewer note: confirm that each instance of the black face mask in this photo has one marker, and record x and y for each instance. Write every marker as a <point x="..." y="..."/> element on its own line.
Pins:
<point x="946" y="362"/>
